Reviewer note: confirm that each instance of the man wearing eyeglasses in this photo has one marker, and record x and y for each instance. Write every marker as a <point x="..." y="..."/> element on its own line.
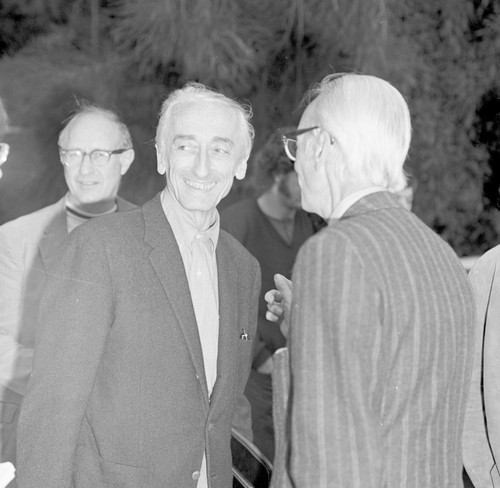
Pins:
<point x="96" y="151"/>
<point x="380" y="312"/>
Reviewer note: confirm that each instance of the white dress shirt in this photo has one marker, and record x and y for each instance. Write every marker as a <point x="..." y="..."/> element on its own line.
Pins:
<point x="197" y="248"/>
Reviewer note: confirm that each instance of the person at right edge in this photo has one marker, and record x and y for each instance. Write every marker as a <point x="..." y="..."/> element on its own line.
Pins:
<point x="481" y="440"/>
<point x="381" y="312"/>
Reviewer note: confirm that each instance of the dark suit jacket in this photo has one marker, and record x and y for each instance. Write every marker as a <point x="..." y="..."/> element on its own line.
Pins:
<point x="118" y="394"/>
<point x="380" y="351"/>
<point x="29" y="246"/>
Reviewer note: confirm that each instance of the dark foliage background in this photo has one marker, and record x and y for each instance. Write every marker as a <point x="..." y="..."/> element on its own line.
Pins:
<point x="444" y="56"/>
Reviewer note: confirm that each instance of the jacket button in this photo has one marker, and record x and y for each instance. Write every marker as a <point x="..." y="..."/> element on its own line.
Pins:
<point x="196" y="475"/>
<point x="211" y="426"/>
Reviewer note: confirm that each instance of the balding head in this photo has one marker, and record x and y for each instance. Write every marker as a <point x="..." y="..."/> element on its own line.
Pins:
<point x="96" y="151"/>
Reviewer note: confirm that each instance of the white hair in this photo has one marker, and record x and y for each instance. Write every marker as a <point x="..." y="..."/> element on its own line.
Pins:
<point x="370" y="122"/>
<point x="196" y="92"/>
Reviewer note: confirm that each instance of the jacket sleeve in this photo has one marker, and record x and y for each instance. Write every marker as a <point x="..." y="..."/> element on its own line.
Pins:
<point x="75" y="316"/>
<point x="15" y="358"/>
<point x="281" y="391"/>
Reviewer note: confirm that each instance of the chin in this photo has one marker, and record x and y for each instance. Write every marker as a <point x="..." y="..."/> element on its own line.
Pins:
<point x="92" y="200"/>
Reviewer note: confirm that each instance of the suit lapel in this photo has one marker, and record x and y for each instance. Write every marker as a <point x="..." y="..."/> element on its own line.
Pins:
<point x="228" y="319"/>
<point x="166" y="260"/>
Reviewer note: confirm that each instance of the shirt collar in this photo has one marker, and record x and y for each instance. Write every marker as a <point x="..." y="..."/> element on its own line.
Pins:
<point x="352" y="198"/>
<point x="182" y="222"/>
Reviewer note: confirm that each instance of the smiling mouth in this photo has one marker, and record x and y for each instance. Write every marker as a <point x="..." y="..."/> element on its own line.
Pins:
<point x="196" y="185"/>
<point x="88" y="183"/>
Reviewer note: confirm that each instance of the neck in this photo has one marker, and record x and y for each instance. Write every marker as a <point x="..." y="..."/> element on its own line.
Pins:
<point x="341" y="188"/>
<point x="95" y="208"/>
<point x="273" y="204"/>
<point x="200" y="220"/>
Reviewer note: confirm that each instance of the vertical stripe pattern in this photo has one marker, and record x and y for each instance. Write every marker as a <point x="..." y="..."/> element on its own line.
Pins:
<point x="380" y="353"/>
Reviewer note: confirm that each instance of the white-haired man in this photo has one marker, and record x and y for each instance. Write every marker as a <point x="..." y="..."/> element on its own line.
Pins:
<point x="146" y="329"/>
<point x="381" y="335"/>
<point x="95" y="150"/>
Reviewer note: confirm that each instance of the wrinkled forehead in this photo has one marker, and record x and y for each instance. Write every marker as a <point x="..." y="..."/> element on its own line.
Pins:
<point x="205" y="121"/>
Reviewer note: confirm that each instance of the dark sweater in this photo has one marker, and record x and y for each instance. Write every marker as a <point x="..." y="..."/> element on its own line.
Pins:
<point x="246" y="221"/>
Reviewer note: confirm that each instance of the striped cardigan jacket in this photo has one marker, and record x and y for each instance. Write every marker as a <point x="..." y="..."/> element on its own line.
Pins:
<point x="380" y="352"/>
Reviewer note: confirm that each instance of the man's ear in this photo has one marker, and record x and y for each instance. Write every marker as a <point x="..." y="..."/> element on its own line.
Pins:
<point x="126" y="159"/>
<point x="319" y="141"/>
<point x="241" y="170"/>
<point x="4" y="152"/>
<point x="160" y="165"/>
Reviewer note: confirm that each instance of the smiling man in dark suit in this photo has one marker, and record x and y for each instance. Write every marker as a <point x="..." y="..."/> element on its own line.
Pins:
<point x="146" y="327"/>
<point x="382" y="314"/>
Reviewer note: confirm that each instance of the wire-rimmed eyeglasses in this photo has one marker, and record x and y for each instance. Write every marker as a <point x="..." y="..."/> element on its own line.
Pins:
<point x="290" y="143"/>
<point x="99" y="157"/>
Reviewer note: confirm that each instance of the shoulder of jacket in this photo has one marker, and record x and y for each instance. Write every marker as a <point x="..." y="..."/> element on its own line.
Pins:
<point x="124" y="205"/>
<point x="235" y="247"/>
<point x="37" y="219"/>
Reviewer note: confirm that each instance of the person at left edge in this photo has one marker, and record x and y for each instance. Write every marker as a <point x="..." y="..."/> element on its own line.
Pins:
<point x="95" y="151"/>
<point x="146" y="326"/>
<point x="6" y="467"/>
<point x="4" y="124"/>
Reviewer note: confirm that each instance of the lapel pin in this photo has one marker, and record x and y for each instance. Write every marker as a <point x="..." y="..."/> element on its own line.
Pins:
<point x="244" y="336"/>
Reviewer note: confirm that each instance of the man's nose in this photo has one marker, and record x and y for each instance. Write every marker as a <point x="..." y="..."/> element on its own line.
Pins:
<point x="202" y="164"/>
<point x="86" y="166"/>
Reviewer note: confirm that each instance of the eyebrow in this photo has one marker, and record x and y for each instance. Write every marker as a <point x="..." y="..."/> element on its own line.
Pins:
<point x="182" y="137"/>
<point x="223" y="139"/>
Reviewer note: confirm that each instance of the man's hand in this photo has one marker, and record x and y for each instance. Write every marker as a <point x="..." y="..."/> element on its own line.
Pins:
<point x="279" y="302"/>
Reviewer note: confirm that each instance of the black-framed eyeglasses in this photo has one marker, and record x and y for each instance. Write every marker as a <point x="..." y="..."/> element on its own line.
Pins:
<point x="99" y="157"/>
<point x="290" y="143"/>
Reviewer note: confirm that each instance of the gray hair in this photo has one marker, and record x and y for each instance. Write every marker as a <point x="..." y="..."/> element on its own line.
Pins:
<point x="370" y="122"/>
<point x="197" y="92"/>
<point x="84" y="108"/>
